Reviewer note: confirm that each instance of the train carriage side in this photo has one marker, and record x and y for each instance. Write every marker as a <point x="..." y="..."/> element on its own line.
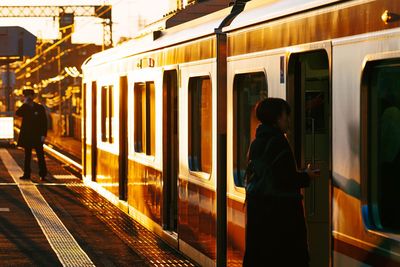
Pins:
<point x="194" y="197"/>
<point x="341" y="81"/>
<point x="366" y="225"/>
<point x="162" y="106"/>
<point x="143" y="108"/>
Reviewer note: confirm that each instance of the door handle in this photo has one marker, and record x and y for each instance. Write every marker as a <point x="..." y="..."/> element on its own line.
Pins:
<point x="313" y="139"/>
<point x="311" y="211"/>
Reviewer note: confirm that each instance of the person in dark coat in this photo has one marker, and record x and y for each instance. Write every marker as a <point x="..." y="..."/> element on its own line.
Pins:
<point x="276" y="232"/>
<point x="33" y="133"/>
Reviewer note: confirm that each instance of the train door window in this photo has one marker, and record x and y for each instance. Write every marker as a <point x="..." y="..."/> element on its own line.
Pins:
<point x="248" y="89"/>
<point x="107" y="114"/>
<point x="315" y="108"/>
<point x="150" y="119"/>
<point x="381" y="100"/>
<point x="144" y="116"/>
<point x="200" y="124"/>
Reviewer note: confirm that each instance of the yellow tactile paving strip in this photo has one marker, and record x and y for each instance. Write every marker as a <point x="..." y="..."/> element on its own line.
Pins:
<point x="63" y="243"/>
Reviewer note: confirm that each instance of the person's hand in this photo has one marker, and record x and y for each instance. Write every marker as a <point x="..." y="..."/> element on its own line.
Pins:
<point x="313" y="173"/>
<point x="43" y="138"/>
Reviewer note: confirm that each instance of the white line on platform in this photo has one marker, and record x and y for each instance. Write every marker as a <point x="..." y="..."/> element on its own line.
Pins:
<point x="4" y="209"/>
<point x="63" y="243"/>
<point x="64" y="176"/>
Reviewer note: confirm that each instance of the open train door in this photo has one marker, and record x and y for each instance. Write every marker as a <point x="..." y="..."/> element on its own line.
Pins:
<point x="309" y="95"/>
<point x="170" y="150"/>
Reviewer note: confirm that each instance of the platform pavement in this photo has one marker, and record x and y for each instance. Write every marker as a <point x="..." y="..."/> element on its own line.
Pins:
<point x="106" y="235"/>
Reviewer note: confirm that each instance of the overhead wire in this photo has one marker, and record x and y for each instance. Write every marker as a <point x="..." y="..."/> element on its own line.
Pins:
<point x="53" y="59"/>
<point x="57" y="43"/>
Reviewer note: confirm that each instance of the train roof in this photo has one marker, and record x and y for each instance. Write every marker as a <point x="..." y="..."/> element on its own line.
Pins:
<point x="256" y="11"/>
<point x="201" y="27"/>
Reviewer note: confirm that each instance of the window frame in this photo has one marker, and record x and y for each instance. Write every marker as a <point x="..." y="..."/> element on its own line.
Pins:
<point x="148" y="117"/>
<point x="200" y="173"/>
<point x="107" y="113"/>
<point x="235" y="119"/>
<point x="370" y="210"/>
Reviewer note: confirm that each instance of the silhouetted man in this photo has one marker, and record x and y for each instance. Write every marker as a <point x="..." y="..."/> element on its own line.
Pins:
<point x="33" y="133"/>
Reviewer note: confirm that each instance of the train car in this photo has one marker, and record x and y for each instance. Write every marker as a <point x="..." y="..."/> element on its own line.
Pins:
<point x="168" y="119"/>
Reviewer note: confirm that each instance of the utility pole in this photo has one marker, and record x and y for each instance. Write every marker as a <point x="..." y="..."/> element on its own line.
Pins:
<point x="7" y="90"/>
<point x="60" y="125"/>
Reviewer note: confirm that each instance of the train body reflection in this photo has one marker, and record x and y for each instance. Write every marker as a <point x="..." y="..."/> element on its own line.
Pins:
<point x="150" y="124"/>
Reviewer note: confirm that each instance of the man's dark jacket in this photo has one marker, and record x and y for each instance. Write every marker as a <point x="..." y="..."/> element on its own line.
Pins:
<point x="34" y="125"/>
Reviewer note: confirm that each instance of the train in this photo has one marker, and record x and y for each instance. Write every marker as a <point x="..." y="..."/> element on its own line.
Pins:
<point x="168" y="118"/>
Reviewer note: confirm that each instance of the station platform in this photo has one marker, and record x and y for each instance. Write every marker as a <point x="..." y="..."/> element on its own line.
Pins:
<point x="61" y="222"/>
<point x="69" y="145"/>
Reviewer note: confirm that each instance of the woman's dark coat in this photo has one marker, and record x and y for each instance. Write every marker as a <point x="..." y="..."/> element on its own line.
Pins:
<point x="34" y="125"/>
<point x="275" y="229"/>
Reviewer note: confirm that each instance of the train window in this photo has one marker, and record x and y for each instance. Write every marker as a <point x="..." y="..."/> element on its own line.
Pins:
<point x="248" y="89"/>
<point x="144" y="116"/>
<point x="383" y="138"/>
<point x="315" y="110"/>
<point x="150" y="119"/>
<point x="107" y="113"/>
<point x="200" y="124"/>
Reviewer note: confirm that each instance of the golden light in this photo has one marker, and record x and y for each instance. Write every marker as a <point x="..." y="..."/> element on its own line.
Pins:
<point x="387" y="17"/>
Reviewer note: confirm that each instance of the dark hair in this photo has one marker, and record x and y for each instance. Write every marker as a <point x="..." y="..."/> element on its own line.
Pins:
<point x="270" y="109"/>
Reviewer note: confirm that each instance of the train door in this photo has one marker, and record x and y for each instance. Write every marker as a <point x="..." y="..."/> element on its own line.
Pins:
<point x="94" y="131"/>
<point x="170" y="150"/>
<point x="309" y="96"/>
<point x="123" y="137"/>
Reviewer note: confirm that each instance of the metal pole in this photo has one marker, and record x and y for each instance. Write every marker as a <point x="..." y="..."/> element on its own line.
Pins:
<point x="221" y="148"/>
<point x="59" y="92"/>
<point x="38" y="80"/>
<point x="222" y="72"/>
<point x="7" y="89"/>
